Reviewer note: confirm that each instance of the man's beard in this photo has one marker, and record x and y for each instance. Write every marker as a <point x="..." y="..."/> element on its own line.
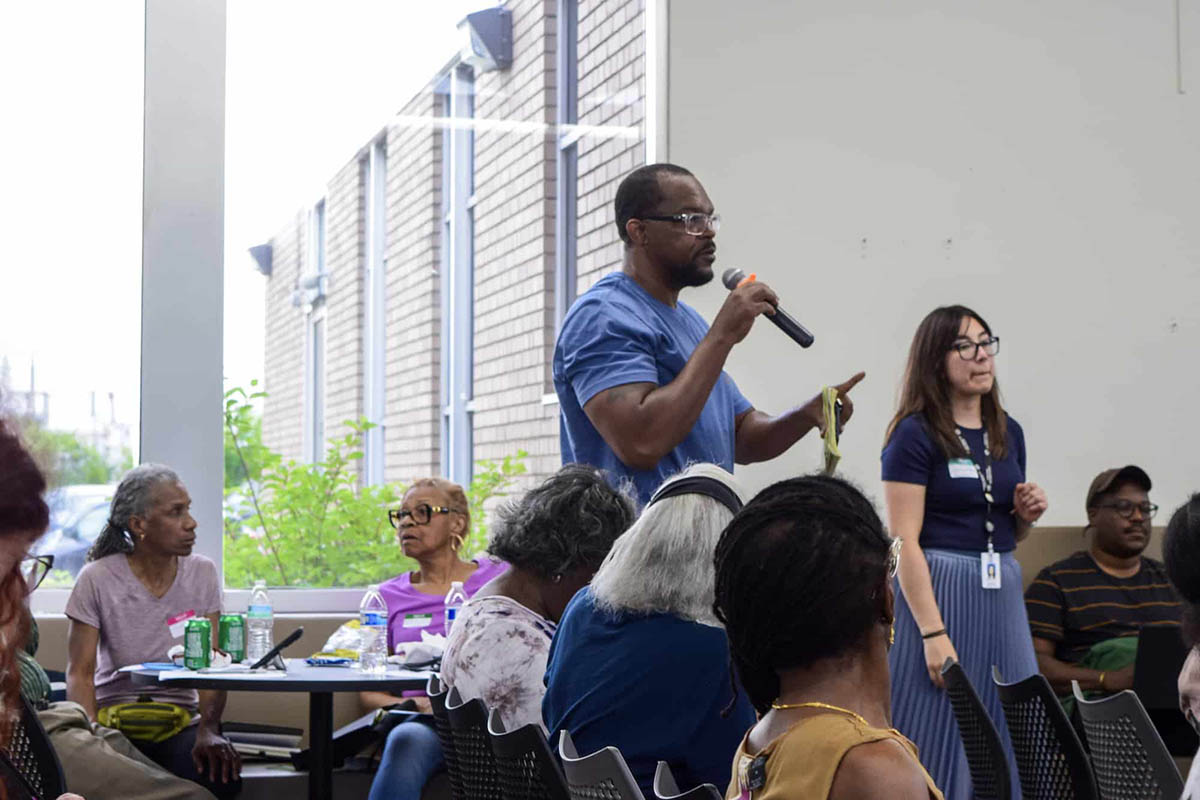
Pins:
<point x="692" y="273"/>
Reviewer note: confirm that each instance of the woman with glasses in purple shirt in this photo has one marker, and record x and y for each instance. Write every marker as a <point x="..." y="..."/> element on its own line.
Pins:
<point x="432" y="524"/>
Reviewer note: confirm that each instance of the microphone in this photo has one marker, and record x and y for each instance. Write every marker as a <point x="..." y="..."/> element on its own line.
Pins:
<point x="733" y="276"/>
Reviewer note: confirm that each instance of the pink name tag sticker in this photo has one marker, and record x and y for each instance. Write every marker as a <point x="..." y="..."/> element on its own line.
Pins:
<point x="179" y="622"/>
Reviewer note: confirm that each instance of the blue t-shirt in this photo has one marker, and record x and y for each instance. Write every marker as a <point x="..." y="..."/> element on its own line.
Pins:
<point x="617" y="333"/>
<point x="653" y="686"/>
<point x="954" y="504"/>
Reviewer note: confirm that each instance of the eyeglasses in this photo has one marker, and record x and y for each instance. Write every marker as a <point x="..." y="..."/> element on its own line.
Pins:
<point x="35" y="569"/>
<point x="694" y="224"/>
<point x="420" y="514"/>
<point x="1125" y="508"/>
<point x="969" y="351"/>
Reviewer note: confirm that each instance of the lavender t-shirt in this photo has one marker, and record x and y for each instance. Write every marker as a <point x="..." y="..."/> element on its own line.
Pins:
<point x="411" y="611"/>
<point x="135" y="625"/>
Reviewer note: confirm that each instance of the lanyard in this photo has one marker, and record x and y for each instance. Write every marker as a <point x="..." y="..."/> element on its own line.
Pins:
<point x="985" y="478"/>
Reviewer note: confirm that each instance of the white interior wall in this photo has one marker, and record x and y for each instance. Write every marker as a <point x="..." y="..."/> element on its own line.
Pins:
<point x="873" y="160"/>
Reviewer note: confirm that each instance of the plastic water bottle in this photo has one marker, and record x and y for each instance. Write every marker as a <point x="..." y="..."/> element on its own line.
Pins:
<point x="454" y="601"/>
<point x="372" y="631"/>
<point x="260" y="623"/>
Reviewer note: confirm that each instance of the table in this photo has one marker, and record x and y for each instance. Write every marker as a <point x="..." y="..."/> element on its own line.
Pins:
<point x="319" y="682"/>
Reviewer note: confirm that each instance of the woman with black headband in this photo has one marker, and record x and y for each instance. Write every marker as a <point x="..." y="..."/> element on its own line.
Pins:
<point x="639" y="662"/>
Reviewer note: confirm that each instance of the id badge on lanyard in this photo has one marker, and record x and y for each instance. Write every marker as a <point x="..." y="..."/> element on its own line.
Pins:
<point x="989" y="560"/>
<point x="989" y="568"/>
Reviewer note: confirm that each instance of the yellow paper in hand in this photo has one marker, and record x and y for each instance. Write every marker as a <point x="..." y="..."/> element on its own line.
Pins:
<point x="829" y="407"/>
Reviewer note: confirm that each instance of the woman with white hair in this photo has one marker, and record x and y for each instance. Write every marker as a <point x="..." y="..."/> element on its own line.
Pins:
<point x="639" y="661"/>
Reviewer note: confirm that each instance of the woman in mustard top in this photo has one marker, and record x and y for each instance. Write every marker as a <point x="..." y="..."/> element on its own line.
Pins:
<point x="818" y="673"/>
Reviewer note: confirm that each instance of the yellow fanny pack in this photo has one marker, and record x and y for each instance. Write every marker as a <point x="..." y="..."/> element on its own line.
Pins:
<point x="145" y="721"/>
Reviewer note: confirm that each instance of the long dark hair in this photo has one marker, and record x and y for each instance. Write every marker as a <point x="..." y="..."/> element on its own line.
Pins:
<point x="1181" y="555"/>
<point x="802" y="576"/>
<point x="926" y="387"/>
<point x="22" y="511"/>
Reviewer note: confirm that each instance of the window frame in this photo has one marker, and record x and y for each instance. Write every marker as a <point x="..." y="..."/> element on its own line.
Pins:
<point x="456" y="378"/>
<point x="375" y="309"/>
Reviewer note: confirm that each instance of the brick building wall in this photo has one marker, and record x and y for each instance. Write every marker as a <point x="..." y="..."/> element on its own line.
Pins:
<point x="514" y="246"/>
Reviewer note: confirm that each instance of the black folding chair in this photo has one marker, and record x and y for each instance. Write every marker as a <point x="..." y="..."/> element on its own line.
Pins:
<point x="441" y="723"/>
<point x="602" y="775"/>
<point x="472" y="750"/>
<point x="1130" y="758"/>
<point x="981" y="740"/>
<point x="32" y="759"/>
<point x="665" y="787"/>
<point x="527" y="768"/>
<point x="1050" y="758"/>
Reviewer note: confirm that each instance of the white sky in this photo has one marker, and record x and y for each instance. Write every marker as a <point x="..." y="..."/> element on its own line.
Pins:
<point x="307" y="83"/>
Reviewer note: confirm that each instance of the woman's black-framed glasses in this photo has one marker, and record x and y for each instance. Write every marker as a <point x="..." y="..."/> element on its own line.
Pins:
<point x="694" y="224"/>
<point x="420" y="514"/>
<point x="1125" y="508"/>
<point x="969" y="351"/>
<point x="35" y="569"/>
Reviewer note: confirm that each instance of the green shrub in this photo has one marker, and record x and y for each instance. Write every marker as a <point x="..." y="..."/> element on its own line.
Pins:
<point x="312" y="525"/>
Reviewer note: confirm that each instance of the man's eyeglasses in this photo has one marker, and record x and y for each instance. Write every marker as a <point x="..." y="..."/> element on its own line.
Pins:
<point x="969" y="351"/>
<point x="35" y="569"/>
<point x="419" y="514"/>
<point x="1125" y="508"/>
<point x="694" y="224"/>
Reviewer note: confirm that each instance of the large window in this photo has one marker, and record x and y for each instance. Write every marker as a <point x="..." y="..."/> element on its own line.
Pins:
<point x="71" y="157"/>
<point x="462" y="157"/>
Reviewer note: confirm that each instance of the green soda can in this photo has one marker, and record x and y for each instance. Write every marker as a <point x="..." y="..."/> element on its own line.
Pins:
<point x="231" y="636"/>
<point x="197" y="643"/>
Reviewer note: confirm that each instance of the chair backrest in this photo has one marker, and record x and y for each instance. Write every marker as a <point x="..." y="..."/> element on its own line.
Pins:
<point x="524" y="763"/>
<point x="1129" y="757"/>
<point x="602" y="775"/>
<point x="1050" y="758"/>
<point x="472" y="750"/>
<point x="31" y="756"/>
<point x="981" y="740"/>
<point x="665" y="787"/>
<point x="441" y="723"/>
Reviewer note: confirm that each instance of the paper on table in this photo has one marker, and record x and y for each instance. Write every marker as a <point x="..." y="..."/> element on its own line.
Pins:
<point x="188" y="673"/>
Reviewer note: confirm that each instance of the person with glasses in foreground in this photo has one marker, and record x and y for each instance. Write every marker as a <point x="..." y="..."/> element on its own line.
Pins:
<point x="97" y="762"/>
<point x="639" y="374"/>
<point x="953" y="468"/>
<point x="432" y="524"/>
<point x="817" y="674"/>
<point x="1086" y="610"/>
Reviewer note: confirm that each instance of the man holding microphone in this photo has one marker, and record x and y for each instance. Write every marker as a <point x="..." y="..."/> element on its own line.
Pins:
<point x="639" y="375"/>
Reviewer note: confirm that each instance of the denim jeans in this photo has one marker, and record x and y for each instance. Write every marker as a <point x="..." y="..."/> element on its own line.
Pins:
<point x="411" y="756"/>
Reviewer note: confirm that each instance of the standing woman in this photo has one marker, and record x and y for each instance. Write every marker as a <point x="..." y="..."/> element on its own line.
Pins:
<point x="954" y="483"/>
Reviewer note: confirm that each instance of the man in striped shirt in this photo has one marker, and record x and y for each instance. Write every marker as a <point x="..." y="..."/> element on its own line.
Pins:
<point x="1086" y="611"/>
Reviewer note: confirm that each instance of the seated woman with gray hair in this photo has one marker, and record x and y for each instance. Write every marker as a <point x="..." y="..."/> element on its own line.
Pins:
<point x="639" y="661"/>
<point x="553" y="538"/>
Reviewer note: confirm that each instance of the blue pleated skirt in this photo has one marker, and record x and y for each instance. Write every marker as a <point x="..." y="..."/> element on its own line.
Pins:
<point x="986" y="627"/>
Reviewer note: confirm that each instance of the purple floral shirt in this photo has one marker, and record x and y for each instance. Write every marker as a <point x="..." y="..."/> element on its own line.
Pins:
<point x="497" y="652"/>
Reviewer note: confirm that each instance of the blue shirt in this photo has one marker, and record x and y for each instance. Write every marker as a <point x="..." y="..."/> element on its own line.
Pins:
<point x="653" y="686"/>
<point x="954" y="506"/>
<point x="617" y="333"/>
